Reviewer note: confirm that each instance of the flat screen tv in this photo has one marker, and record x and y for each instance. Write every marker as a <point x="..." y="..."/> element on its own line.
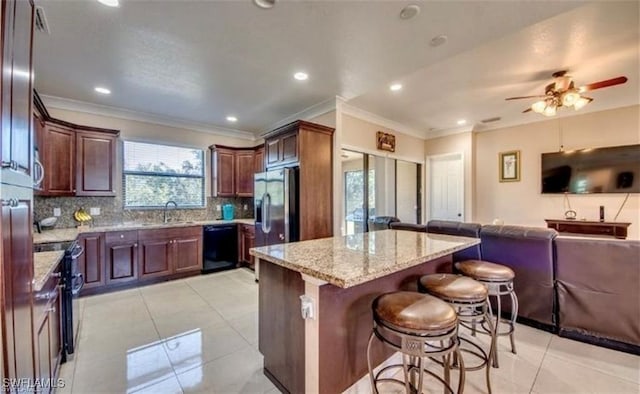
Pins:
<point x="602" y="170"/>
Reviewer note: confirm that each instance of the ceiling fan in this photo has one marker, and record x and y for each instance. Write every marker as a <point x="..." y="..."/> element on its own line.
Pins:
<point x="563" y="93"/>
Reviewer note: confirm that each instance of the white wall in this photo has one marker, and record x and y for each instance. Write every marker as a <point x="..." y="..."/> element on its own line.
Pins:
<point x="521" y="202"/>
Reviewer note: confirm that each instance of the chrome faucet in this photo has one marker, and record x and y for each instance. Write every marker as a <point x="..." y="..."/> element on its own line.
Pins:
<point x="166" y="206"/>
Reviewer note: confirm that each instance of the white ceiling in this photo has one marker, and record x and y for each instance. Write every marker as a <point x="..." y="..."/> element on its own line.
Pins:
<point x="199" y="61"/>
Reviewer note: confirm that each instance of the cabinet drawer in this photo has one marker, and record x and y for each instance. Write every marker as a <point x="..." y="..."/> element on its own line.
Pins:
<point x="169" y="233"/>
<point x="121" y="236"/>
<point x="42" y="298"/>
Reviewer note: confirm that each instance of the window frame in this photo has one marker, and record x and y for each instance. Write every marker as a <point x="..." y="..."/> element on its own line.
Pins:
<point x="203" y="176"/>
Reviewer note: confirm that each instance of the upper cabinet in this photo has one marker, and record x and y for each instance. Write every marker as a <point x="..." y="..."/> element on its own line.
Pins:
<point x="58" y="160"/>
<point x="233" y="169"/>
<point x="282" y="149"/>
<point x="96" y="163"/>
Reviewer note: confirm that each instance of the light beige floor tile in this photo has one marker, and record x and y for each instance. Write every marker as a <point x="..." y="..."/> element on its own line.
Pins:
<point x="240" y="372"/>
<point x="181" y="322"/>
<point x="115" y="318"/>
<point x="98" y="331"/>
<point x="65" y="375"/>
<point x="173" y="305"/>
<point x="622" y="365"/>
<point x="168" y="386"/>
<point x="136" y="369"/>
<point x="165" y="287"/>
<point x="110" y="297"/>
<point x="129" y="305"/>
<point x="116" y="343"/>
<point x="233" y="308"/>
<point x="202" y="345"/>
<point x="247" y="326"/>
<point x="562" y="376"/>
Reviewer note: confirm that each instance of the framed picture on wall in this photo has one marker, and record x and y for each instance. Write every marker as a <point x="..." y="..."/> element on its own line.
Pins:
<point x="386" y="141"/>
<point x="509" y="163"/>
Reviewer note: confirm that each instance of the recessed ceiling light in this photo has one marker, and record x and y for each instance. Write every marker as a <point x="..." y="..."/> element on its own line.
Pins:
<point x="438" y="40"/>
<point x="102" y="90"/>
<point x="462" y="122"/>
<point x="300" y="76"/>
<point x="395" y="87"/>
<point x="232" y="119"/>
<point x="266" y="4"/>
<point x="110" y="3"/>
<point x="409" y="11"/>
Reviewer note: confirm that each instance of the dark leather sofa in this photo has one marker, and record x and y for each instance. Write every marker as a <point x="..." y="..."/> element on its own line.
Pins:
<point x="381" y="222"/>
<point x="460" y="229"/>
<point x="583" y="288"/>
<point x="598" y="286"/>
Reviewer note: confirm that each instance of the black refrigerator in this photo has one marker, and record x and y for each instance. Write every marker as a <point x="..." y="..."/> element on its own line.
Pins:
<point x="276" y="207"/>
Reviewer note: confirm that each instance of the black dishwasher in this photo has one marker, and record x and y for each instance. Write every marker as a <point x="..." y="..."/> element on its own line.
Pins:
<point x="220" y="247"/>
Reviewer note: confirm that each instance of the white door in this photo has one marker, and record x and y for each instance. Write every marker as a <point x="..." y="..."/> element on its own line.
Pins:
<point x="446" y="187"/>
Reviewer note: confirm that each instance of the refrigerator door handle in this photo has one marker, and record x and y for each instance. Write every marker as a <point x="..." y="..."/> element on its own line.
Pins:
<point x="266" y="213"/>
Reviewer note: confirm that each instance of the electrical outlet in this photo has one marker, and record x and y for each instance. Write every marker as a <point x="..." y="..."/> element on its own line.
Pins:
<point x="57" y="212"/>
<point x="95" y="211"/>
<point x="218" y="208"/>
<point x="245" y="207"/>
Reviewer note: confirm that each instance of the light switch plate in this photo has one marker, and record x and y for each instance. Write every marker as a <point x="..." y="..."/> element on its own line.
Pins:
<point x="57" y="212"/>
<point x="95" y="211"/>
<point x="218" y="208"/>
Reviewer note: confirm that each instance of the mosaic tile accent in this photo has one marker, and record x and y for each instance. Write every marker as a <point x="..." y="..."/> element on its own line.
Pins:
<point x="112" y="210"/>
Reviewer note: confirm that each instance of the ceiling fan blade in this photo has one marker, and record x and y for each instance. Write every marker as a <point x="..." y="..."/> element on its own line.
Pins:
<point x="524" y="97"/>
<point x="603" y="84"/>
<point x="526" y="110"/>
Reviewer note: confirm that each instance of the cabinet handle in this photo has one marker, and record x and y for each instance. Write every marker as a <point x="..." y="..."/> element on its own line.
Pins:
<point x="51" y="310"/>
<point x="6" y="164"/>
<point x="135" y="245"/>
<point x="121" y="236"/>
<point x="12" y="202"/>
<point x="56" y="275"/>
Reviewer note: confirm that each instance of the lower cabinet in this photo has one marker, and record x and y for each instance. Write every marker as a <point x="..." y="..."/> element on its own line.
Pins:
<point x="124" y="257"/>
<point x="247" y="241"/>
<point x="48" y="333"/>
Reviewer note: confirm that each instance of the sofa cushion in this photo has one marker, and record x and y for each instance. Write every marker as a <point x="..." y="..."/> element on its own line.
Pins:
<point x="460" y="229"/>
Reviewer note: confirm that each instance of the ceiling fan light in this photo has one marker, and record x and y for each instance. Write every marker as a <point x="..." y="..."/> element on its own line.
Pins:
<point x="581" y="102"/>
<point x="538" y="106"/>
<point x="550" y="110"/>
<point x="570" y="98"/>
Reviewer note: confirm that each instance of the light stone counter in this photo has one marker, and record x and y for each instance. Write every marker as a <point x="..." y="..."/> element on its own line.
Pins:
<point x="70" y="234"/>
<point x="355" y="259"/>
<point x="43" y="265"/>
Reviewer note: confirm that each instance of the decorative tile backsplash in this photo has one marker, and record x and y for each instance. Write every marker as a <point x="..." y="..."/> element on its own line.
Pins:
<point x="112" y="210"/>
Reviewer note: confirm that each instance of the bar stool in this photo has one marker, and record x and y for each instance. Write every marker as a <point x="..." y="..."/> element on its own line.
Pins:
<point x="419" y="326"/>
<point x="470" y="299"/>
<point x="499" y="281"/>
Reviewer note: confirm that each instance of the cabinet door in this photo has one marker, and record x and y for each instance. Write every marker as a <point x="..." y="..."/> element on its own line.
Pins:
<point x="272" y="151"/>
<point x="17" y="262"/>
<point x="96" y="164"/>
<point x="248" y="237"/>
<point x="289" y="147"/>
<point x="17" y="79"/>
<point x="58" y="160"/>
<point x="155" y="258"/>
<point x="188" y="254"/>
<point x="43" y="349"/>
<point x="259" y="160"/>
<point x="245" y="163"/>
<point x="91" y="262"/>
<point x="225" y="172"/>
<point x="122" y="262"/>
<point x="55" y="336"/>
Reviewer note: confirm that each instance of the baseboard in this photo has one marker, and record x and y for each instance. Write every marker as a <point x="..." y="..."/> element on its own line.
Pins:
<point x="598" y="341"/>
<point x="535" y="324"/>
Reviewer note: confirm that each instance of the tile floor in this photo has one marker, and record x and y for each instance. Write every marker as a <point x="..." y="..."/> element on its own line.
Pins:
<point x="200" y="335"/>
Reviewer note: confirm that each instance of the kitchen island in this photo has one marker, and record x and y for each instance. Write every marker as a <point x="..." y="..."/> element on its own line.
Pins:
<point x="339" y="277"/>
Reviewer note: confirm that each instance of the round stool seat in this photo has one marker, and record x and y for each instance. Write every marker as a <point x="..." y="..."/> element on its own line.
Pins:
<point x="408" y="311"/>
<point x="485" y="271"/>
<point x="456" y="288"/>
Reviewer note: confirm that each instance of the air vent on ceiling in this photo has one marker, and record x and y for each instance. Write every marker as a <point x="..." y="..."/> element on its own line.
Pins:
<point x="41" y="21"/>
<point x="490" y="120"/>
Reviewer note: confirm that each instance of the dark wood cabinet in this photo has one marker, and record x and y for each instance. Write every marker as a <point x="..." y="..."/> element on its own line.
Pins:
<point x="91" y="262"/>
<point x="96" y="164"/>
<point x="48" y="331"/>
<point x="17" y="79"/>
<point x="244" y="169"/>
<point x="233" y="169"/>
<point x="17" y="275"/>
<point x="309" y="147"/>
<point x="224" y="162"/>
<point x="58" y="160"/>
<point x="170" y="251"/>
<point x="121" y="257"/>
<point x="155" y="257"/>
<point x="247" y="241"/>
<point x="606" y="229"/>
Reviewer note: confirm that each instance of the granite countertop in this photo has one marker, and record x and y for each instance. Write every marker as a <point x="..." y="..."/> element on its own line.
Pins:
<point x="355" y="259"/>
<point x="70" y="234"/>
<point x="43" y="265"/>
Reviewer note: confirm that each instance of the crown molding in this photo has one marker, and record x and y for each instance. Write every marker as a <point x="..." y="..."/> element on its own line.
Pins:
<point x="121" y="113"/>
<point x="446" y="132"/>
<point x="362" y="114"/>
<point x="308" y="113"/>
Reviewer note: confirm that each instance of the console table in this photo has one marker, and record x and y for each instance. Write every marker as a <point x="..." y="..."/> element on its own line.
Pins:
<point x="614" y="229"/>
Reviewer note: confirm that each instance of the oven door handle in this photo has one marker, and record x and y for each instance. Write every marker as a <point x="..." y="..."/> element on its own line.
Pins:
<point x="78" y="251"/>
<point x="76" y="290"/>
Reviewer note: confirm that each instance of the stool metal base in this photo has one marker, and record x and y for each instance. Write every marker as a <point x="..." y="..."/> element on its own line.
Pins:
<point x="497" y="290"/>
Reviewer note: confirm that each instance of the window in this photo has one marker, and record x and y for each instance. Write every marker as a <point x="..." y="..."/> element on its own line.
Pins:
<point x="155" y="174"/>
